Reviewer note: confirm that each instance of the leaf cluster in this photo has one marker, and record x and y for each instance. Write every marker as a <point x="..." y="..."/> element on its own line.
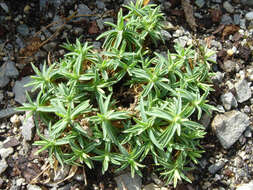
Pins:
<point x="86" y="120"/>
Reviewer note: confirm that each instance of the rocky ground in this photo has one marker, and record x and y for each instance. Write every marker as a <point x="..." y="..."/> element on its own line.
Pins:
<point x="32" y="31"/>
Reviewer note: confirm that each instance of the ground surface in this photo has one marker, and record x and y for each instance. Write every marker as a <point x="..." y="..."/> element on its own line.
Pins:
<point x="224" y="26"/>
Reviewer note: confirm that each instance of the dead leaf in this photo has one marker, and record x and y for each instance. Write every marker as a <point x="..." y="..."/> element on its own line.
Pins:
<point x="228" y="30"/>
<point x="237" y="36"/>
<point x="93" y="29"/>
<point x="72" y="172"/>
<point x="208" y="40"/>
<point x="215" y="15"/>
<point x="145" y="2"/>
<point x="219" y="29"/>
<point x="188" y="10"/>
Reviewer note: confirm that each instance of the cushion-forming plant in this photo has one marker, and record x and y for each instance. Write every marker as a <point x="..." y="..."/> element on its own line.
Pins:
<point x="126" y="103"/>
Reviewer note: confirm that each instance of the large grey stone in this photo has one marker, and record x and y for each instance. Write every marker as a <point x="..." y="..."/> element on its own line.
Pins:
<point x="11" y="70"/>
<point x="28" y="128"/>
<point x="125" y="181"/>
<point x="228" y="100"/>
<point x="19" y="89"/>
<point x="8" y="112"/>
<point x="229" y="127"/>
<point x="243" y="91"/>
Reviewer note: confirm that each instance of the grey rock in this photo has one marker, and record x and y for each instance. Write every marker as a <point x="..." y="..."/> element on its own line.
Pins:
<point x="182" y="41"/>
<point x="100" y="24"/>
<point x="96" y="45"/>
<point x="214" y="168"/>
<point x="57" y="19"/>
<point x="249" y="15"/>
<point x="203" y="163"/>
<point x="33" y="187"/>
<point x="78" y="30"/>
<point x="166" y="35"/>
<point x="20" y="42"/>
<point x="226" y="19"/>
<point x="247" y="2"/>
<point x="125" y="181"/>
<point x="218" y="77"/>
<point x="178" y="33"/>
<point x="248" y="186"/>
<point x="228" y="7"/>
<point x="3" y="166"/>
<point x="19" y="89"/>
<point x="7" y="70"/>
<point x="100" y="4"/>
<point x="11" y="70"/>
<point x="229" y="66"/>
<point x="23" y="29"/>
<point x="243" y="91"/>
<point x="7" y="112"/>
<point x="4" y="80"/>
<point x="206" y="119"/>
<point x="200" y="3"/>
<point x="229" y="127"/>
<point x="237" y="19"/>
<point x="28" y="128"/>
<point x="83" y="10"/>
<point x="50" y="46"/>
<point x="4" y="7"/>
<point x="228" y="100"/>
<point x="216" y="44"/>
<point x="5" y="152"/>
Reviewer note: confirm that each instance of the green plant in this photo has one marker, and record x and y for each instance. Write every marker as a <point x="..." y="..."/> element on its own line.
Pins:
<point x="86" y="100"/>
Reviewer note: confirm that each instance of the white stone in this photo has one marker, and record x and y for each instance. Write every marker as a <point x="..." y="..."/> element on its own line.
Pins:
<point x="249" y="15"/>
